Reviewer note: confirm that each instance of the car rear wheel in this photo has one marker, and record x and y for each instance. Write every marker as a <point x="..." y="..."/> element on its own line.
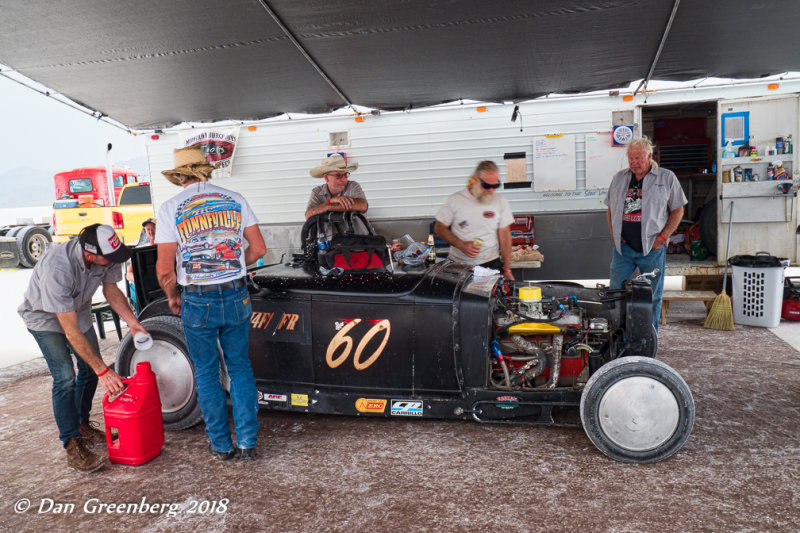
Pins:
<point x="637" y="410"/>
<point x="169" y="359"/>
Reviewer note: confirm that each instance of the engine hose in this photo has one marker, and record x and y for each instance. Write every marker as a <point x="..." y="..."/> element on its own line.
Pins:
<point x="555" y="366"/>
<point x="531" y="348"/>
<point x="506" y="378"/>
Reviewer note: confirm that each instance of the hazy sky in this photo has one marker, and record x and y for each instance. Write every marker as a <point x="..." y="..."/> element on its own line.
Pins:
<point x="42" y="133"/>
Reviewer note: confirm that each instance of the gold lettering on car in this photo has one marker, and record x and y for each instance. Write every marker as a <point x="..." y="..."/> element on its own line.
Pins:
<point x="288" y="321"/>
<point x="343" y="340"/>
<point x="260" y="319"/>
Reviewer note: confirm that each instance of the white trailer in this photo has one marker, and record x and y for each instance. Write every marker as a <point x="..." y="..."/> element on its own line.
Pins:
<point x="409" y="162"/>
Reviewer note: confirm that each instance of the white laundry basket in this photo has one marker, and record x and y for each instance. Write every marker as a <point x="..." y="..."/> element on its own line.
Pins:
<point x="757" y="289"/>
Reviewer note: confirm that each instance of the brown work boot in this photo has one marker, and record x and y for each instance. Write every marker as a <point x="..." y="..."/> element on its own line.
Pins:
<point x="81" y="458"/>
<point x="91" y="433"/>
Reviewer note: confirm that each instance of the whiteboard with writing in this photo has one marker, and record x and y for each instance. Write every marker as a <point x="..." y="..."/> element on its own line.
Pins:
<point x="602" y="160"/>
<point x="554" y="163"/>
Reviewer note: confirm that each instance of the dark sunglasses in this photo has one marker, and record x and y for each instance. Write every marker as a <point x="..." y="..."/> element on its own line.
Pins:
<point x="488" y="186"/>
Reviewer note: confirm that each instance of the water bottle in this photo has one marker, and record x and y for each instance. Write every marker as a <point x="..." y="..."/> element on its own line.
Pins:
<point x="322" y="241"/>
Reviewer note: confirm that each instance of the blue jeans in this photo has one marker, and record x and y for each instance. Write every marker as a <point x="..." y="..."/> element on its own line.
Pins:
<point x="623" y="265"/>
<point x="72" y="396"/>
<point x="224" y="316"/>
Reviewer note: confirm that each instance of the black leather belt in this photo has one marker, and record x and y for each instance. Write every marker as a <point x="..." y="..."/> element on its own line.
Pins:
<point x="235" y="284"/>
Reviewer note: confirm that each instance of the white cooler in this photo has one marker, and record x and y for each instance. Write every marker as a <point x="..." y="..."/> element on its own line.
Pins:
<point x="757" y="289"/>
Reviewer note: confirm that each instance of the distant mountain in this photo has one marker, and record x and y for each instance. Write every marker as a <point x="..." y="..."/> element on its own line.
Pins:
<point x="27" y="187"/>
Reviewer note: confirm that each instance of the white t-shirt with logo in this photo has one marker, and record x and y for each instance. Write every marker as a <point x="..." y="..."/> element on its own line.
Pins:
<point x="208" y="224"/>
<point x="469" y="219"/>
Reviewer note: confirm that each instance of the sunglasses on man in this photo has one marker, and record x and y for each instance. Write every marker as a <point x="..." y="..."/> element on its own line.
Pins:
<point x="488" y="186"/>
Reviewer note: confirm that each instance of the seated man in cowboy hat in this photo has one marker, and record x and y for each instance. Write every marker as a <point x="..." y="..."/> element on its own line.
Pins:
<point x="211" y="234"/>
<point x="337" y="193"/>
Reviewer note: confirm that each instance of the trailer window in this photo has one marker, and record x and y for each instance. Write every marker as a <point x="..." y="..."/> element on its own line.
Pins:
<point x="80" y="185"/>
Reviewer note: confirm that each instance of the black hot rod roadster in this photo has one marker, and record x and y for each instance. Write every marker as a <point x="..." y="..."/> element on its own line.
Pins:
<point x="439" y="342"/>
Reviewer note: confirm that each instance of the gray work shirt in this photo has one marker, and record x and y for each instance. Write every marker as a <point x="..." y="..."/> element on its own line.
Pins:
<point x="60" y="283"/>
<point x="320" y="194"/>
<point x="661" y="193"/>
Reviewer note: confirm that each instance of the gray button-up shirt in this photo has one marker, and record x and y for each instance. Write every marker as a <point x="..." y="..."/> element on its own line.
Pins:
<point x="661" y="193"/>
<point x="60" y="283"/>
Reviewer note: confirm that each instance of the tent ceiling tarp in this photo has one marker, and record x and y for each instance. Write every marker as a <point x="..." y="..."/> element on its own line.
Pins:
<point x="155" y="63"/>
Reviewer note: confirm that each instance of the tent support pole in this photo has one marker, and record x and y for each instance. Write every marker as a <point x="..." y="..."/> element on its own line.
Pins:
<point x="660" y="46"/>
<point x="305" y="53"/>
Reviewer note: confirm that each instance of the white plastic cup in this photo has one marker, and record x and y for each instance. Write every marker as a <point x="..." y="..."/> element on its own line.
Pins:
<point x="142" y="341"/>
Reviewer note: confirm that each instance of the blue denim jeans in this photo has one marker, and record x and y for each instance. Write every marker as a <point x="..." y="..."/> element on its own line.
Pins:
<point x="222" y="316"/>
<point x="623" y="265"/>
<point x="72" y="395"/>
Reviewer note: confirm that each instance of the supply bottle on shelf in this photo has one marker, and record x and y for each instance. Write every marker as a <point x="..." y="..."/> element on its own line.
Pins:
<point x="788" y="145"/>
<point x="728" y="151"/>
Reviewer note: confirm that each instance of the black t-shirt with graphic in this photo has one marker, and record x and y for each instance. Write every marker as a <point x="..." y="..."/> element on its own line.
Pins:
<point x="632" y="215"/>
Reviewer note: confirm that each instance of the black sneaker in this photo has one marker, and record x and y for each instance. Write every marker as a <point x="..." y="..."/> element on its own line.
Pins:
<point x="246" y="453"/>
<point x="222" y="456"/>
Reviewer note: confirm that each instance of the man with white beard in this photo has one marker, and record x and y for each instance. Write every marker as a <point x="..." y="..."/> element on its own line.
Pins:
<point x="476" y="222"/>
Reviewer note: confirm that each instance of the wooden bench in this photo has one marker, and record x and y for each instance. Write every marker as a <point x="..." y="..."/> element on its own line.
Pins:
<point x="706" y="297"/>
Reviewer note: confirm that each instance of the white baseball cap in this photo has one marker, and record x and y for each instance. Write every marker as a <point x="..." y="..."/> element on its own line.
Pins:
<point x="102" y="240"/>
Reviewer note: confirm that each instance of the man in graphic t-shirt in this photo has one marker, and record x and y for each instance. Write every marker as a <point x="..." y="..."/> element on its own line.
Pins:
<point x="645" y="205"/>
<point x="211" y="235"/>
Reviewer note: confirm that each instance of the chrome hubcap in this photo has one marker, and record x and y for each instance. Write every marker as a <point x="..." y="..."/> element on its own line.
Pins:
<point x="639" y="413"/>
<point x="173" y="373"/>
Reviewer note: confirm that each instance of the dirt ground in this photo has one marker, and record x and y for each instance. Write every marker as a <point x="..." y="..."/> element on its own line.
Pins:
<point x="739" y="470"/>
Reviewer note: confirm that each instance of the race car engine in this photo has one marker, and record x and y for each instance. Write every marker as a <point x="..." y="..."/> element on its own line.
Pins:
<point x="545" y="342"/>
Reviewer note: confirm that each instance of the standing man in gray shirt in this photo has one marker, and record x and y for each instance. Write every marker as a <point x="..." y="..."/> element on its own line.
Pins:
<point x="57" y="312"/>
<point x="645" y="205"/>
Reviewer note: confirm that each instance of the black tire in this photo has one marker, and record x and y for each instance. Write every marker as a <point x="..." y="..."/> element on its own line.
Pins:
<point x="708" y="227"/>
<point x="637" y="410"/>
<point x="32" y="242"/>
<point x="13" y="231"/>
<point x="651" y="348"/>
<point x="174" y="370"/>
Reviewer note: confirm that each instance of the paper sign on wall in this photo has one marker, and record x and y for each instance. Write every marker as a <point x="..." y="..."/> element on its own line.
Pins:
<point x="554" y="163"/>
<point x="218" y="144"/>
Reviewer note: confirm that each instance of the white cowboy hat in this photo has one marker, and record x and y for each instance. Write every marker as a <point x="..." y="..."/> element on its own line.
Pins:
<point x="333" y="163"/>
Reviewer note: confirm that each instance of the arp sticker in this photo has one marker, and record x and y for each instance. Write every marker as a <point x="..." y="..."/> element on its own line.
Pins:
<point x="364" y="405"/>
<point x="406" y="408"/>
<point x="265" y="397"/>
<point x="300" y="400"/>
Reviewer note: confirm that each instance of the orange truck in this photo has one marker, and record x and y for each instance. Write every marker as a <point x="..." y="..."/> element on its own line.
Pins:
<point x="82" y="198"/>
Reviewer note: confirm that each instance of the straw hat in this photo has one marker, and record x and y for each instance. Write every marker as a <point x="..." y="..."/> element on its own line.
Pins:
<point x="333" y="163"/>
<point x="190" y="161"/>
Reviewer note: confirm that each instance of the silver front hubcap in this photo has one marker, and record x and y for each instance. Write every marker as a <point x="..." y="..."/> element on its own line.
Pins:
<point x="639" y="413"/>
<point x="173" y="373"/>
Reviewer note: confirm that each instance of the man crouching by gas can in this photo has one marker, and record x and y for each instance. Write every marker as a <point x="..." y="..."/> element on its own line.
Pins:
<point x="57" y="312"/>
<point x="203" y="228"/>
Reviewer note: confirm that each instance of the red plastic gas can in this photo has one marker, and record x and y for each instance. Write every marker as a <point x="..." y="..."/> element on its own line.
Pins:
<point x="134" y="428"/>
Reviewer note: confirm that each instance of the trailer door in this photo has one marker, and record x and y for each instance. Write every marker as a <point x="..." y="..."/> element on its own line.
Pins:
<point x="764" y="216"/>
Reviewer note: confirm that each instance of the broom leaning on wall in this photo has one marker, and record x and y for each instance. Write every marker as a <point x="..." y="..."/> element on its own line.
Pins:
<point x="721" y="314"/>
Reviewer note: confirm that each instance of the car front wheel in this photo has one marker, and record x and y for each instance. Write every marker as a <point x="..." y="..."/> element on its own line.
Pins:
<point x="169" y="359"/>
<point x="637" y="410"/>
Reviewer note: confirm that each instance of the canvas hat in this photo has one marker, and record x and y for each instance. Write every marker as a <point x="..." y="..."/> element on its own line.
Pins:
<point x="150" y="220"/>
<point x="190" y="161"/>
<point x="102" y="240"/>
<point x="333" y="163"/>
